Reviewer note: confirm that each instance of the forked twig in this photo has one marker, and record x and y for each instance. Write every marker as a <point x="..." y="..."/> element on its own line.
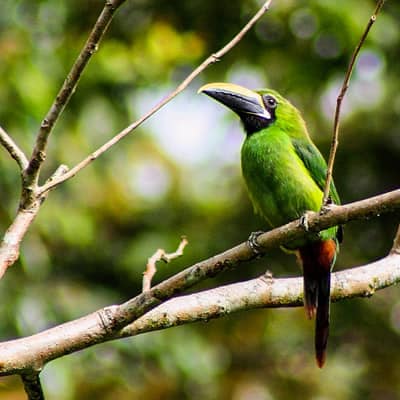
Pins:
<point x="210" y="60"/>
<point x="160" y="255"/>
<point x="339" y="100"/>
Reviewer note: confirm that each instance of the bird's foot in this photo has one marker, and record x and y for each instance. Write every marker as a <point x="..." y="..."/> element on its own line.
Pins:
<point x="254" y="245"/>
<point x="304" y="221"/>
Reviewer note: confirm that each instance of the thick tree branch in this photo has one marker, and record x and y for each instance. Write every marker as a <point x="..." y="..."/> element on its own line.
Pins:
<point x="262" y="292"/>
<point x="203" y="306"/>
<point x="283" y="235"/>
<point x="343" y="90"/>
<point x="112" y="322"/>
<point x="210" y="60"/>
<point x="68" y="88"/>
<point x="15" y="152"/>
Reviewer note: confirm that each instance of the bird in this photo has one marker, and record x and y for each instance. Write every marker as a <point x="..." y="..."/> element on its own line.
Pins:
<point x="285" y="175"/>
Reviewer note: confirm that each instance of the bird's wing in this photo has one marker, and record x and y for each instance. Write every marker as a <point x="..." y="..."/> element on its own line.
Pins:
<point x="315" y="164"/>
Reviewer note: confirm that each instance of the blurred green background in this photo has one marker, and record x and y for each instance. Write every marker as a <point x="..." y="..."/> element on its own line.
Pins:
<point x="180" y="174"/>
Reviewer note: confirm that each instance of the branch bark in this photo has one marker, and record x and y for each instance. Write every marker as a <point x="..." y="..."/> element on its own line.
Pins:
<point x="116" y="321"/>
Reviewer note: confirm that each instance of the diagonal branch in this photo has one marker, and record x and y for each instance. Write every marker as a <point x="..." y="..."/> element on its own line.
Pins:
<point x="68" y="88"/>
<point x="15" y="152"/>
<point x="262" y="292"/>
<point x="343" y="90"/>
<point x="210" y="60"/>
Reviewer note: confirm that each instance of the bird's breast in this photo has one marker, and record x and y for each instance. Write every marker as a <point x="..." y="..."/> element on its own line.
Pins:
<point x="280" y="186"/>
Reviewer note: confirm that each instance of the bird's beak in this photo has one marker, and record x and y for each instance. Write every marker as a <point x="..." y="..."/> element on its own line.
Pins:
<point x="237" y="98"/>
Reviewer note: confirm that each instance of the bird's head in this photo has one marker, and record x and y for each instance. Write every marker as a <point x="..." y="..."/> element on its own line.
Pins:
<point x="258" y="109"/>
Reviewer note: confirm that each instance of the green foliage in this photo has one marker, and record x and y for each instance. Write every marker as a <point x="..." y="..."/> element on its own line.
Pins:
<point x="179" y="174"/>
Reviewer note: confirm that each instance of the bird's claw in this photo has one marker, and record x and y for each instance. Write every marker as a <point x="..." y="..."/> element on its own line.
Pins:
<point x="254" y="245"/>
<point x="304" y="222"/>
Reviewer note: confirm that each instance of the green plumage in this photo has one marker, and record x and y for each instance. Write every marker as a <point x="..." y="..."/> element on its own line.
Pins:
<point x="283" y="170"/>
<point x="285" y="176"/>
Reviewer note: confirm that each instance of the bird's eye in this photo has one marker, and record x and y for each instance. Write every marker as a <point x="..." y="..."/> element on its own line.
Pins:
<point x="270" y="101"/>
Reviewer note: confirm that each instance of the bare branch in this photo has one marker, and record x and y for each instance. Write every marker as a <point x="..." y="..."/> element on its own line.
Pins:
<point x="33" y="386"/>
<point x="261" y="292"/>
<point x="338" y="215"/>
<point x="210" y="60"/>
<point x="68" y="88"/>
<point x="343" y="90"/>
<point x="15" y="152"/>
<point x="159" y="255"/>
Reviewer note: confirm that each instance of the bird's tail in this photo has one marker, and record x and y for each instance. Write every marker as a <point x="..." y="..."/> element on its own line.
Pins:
<point x="317" y="261"/>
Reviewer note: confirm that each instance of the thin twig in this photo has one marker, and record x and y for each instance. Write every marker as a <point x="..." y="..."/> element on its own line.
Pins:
<point x="160" y="255"/>
<point x="15" y="152"/>
<point x="33" y="386"/>
<point x="339" y="100"/>
<point x="396" y="243"/>
<point x="68" y="88"/>
<point x="210" y="60"/>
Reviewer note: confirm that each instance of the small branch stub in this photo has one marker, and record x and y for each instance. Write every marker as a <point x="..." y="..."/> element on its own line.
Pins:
<point x="160" y="255"/>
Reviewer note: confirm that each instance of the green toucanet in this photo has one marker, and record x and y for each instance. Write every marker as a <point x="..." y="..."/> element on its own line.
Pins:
<point x="285" y="175"/>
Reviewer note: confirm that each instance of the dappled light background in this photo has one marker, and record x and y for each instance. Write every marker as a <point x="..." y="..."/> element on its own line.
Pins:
<point x="179" y="174"/>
